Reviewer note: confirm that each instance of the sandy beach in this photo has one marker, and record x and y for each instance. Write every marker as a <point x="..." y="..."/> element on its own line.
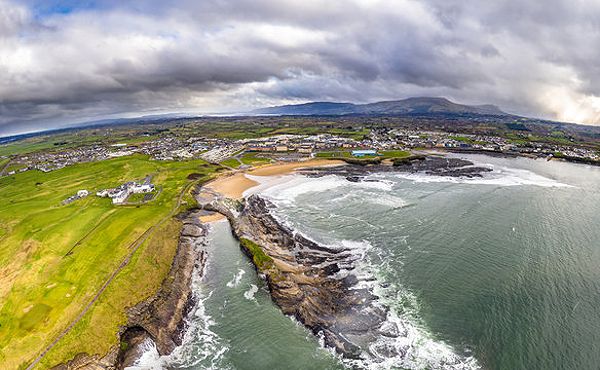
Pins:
<point x="235" y="185"/>
<point x="212" y="217"/>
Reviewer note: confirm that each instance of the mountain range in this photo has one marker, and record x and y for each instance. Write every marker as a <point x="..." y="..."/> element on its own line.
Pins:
<point x="410" y="106"/>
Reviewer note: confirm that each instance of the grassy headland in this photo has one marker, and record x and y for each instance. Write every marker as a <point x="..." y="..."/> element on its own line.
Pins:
<point x="54" y="257"/>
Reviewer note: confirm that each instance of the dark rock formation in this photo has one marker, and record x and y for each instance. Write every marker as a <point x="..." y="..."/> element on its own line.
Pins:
<point x="430" y="164"/>
<point x="440" y="166"/>
<point x="132" y="345"/>
<point x="306" y="281"/>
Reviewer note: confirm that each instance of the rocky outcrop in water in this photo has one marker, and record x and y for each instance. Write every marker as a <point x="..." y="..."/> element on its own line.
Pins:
<point x="311" y="282"/>
<point x="430" y="165"/>
<point x="317" y="284"/>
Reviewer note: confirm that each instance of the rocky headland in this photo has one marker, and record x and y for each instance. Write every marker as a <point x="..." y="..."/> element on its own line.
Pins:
<point x="314" y="283"/>
<point x="311" y="282"/>
<point x="427" y="164"/>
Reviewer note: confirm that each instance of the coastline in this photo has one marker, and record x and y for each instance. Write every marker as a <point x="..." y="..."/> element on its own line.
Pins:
<point x="161" y="317"/>
<point x="234" y="185"/>
<point x="304" y="278"/>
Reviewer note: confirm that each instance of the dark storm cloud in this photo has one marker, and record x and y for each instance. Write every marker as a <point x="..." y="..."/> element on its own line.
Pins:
<point x="74" y="61"/>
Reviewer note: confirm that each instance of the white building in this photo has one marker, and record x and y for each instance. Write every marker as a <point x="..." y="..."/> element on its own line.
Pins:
<point x="143" y="188"/>
<point x="120" y="194"/>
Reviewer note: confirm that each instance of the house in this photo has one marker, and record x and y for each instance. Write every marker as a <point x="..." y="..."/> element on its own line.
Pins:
<point x="143" y="188"/>
<point x="120" y="196"/>
<point x="122" y="192"/>
<point x="102" y="193"/>
<point x="305" y="149"/>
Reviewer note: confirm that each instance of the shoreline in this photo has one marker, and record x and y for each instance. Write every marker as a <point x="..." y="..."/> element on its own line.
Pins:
<point x="303" y="276"/>
<point x="234" y="185"/>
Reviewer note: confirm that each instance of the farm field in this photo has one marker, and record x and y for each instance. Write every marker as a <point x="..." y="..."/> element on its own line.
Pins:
<point x="54" y="257"/>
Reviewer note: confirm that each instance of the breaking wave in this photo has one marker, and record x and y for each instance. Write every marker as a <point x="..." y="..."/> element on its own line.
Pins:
<point x="287" y="188"/>
<point x="200" y="346"/>
<point x="500" y="176"/>
<point x="403" y="341"/>
<point x="150" y="358"/>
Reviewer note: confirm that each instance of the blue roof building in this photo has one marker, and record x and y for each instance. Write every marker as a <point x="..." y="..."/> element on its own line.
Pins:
<point x="362" y="153"/>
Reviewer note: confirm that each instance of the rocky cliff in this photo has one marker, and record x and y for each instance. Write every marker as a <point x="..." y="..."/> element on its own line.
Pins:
<point x="161" y="317"/>
<point x="311" y="282"/>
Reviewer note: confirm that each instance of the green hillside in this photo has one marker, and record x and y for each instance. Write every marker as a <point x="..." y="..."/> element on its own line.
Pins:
<point x="54" y="258"/>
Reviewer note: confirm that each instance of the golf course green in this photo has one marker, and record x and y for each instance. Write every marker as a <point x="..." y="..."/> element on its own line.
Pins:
<point x="56" y="259"/>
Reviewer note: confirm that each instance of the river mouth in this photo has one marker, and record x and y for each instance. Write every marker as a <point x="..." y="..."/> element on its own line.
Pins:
<point x="499" y="272"/>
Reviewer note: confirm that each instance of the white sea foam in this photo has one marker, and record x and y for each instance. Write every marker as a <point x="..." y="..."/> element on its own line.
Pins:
<point x="235" y="281"/>
<point x="200" y="344"/>
<point x="287" y="188"/>
<point x="293" y="186"/>
<point x="249" y="294"/>
<point x="413" y="347"/>
<point x="150" y="358"/>
<point x="501" y="176"/>
<point x="388" y="200"/>
<point x="403" y="342"/>
<point x="201" y="347"/>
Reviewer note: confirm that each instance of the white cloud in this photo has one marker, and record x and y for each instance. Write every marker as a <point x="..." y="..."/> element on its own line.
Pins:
<point x="529" y="58"/>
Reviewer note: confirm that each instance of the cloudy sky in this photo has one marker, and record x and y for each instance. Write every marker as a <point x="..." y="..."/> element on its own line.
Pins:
<point x="69" y="61"/>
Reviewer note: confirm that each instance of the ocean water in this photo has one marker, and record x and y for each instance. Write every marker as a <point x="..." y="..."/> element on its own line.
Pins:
<point x="495" y="273"/>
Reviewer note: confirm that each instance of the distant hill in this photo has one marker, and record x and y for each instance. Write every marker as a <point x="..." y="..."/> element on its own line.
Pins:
<point x="410" y="106"/>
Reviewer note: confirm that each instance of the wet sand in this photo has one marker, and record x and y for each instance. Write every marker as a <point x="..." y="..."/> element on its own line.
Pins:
<point x="232" y="186"/>
<point x="235" y="185"/>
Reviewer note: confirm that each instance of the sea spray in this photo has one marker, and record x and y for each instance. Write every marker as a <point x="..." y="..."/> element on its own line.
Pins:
<point x="501" y="176"/>
<point x="249" y="294"/>
<point x="401" y="343"/>
<point x="236" y="279"/>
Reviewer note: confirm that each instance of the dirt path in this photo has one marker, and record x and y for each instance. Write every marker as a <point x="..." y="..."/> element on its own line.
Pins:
<point x="134" y="247"/>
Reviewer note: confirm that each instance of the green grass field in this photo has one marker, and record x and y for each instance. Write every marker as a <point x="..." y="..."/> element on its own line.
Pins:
<point x="231" y="162"/>
<point x="334" y="154"/>
<point x="54" y="258"/>
<point x="251" y="159"/>
<point x="248" y="159"/>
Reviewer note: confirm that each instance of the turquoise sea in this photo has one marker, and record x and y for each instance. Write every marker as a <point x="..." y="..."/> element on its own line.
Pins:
<point x="501" y="272"/>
